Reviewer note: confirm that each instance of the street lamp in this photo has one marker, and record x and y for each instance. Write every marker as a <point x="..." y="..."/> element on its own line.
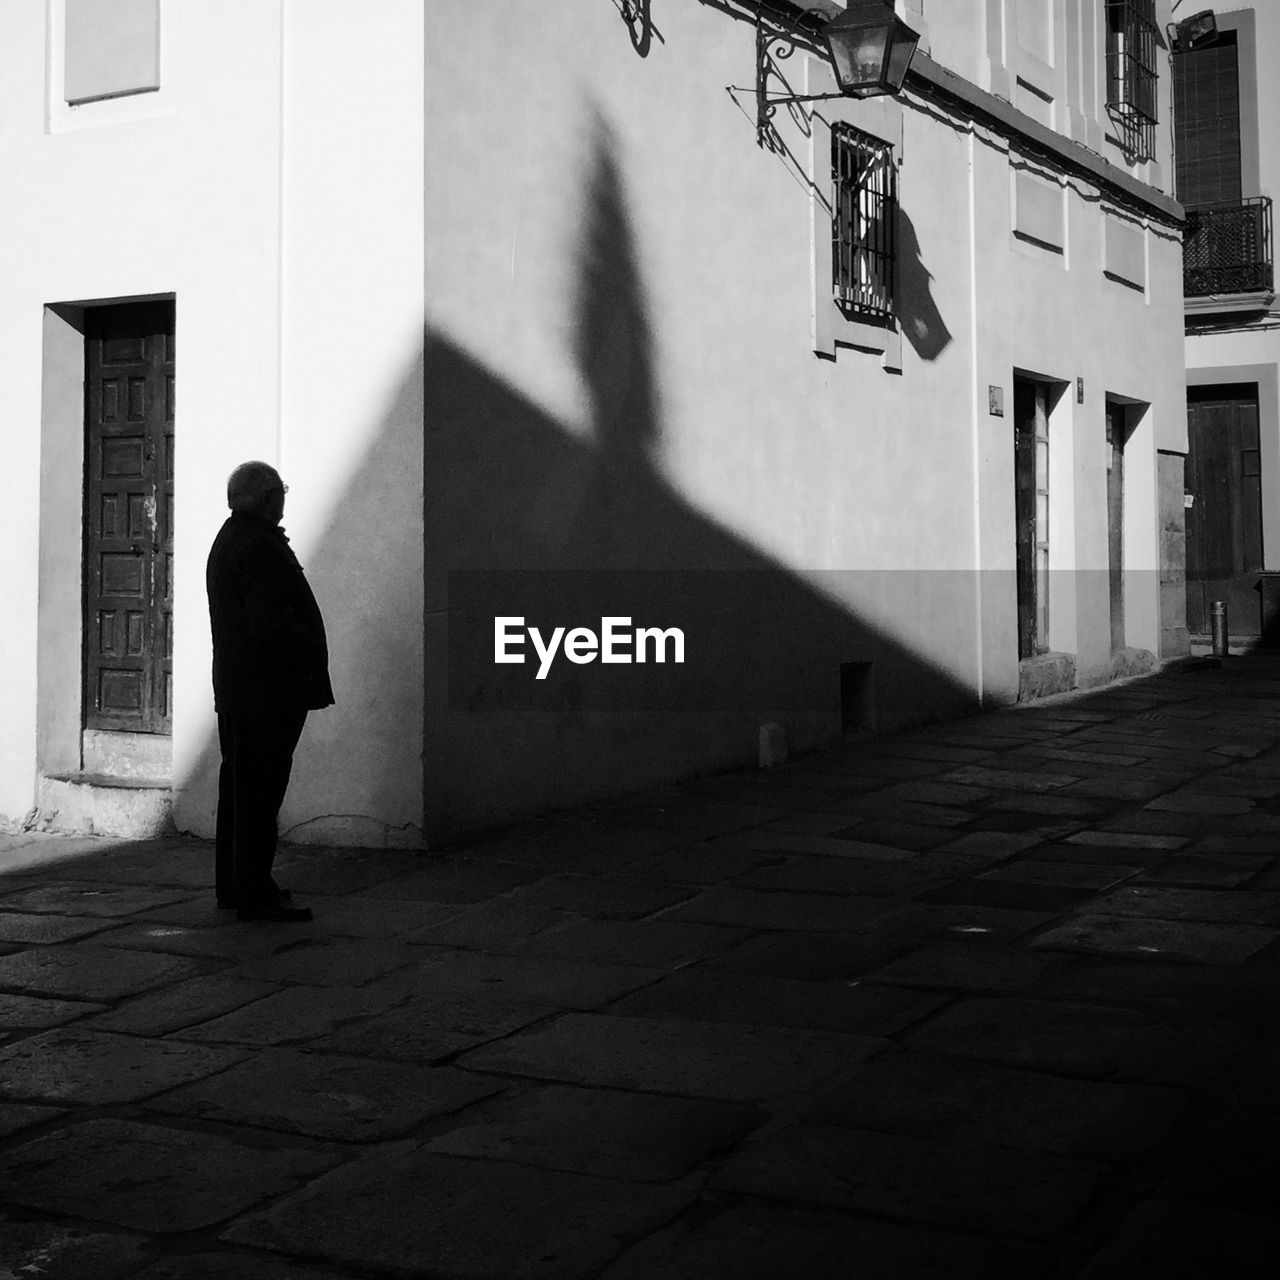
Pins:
<point x="870" y="48"/>
<point x="868" y="45"/>
<point x="1196" y="30"/>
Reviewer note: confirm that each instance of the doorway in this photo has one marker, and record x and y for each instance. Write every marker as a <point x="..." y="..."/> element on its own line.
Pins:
<point x="128" y="518"/>
<point x="1115" y="521"/>
<point x="1224" y="519"/>
<point x="1031" y="513"/>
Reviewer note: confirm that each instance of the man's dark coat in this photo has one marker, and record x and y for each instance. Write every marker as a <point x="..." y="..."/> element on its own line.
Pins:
<point x="269" y="648"/>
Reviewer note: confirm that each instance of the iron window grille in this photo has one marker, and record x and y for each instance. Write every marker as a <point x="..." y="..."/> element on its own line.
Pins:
<point x="1132" y="44"/>
<point x="1226" y="248"/>
<point x="864" y="240"/>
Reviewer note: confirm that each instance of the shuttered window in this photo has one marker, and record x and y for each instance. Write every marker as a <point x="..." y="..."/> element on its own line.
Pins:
<point x="1206" y="88"/>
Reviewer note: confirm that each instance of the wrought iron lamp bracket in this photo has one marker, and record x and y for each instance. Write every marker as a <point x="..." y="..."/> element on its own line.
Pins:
<point x="774" y="46"/>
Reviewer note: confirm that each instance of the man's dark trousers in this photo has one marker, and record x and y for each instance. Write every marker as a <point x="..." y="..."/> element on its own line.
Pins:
<point x="257" y="757"/>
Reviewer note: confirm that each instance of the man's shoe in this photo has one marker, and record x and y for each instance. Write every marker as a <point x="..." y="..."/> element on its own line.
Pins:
<point x="278" y="912"/>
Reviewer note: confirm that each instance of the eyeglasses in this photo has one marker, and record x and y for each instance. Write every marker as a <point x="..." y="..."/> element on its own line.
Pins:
<point x="280" y="488"/>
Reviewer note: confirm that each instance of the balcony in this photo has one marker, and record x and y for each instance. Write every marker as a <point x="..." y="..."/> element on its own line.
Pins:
<point x="1227" y="254"/>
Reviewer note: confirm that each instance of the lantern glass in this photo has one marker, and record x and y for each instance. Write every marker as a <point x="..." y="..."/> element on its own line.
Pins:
<point x="859" y="56"/>
<point x="870" y="47"/>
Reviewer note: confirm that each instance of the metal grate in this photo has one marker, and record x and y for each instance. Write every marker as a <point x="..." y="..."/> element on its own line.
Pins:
<point x="1226" y="248"/>
<point x="864" y="244"/>
<point x="1132" y="44"/>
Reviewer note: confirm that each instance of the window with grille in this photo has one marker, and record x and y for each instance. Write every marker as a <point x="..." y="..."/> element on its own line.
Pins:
<point x="863" y="240"/>
<point x="1132" y="43"/>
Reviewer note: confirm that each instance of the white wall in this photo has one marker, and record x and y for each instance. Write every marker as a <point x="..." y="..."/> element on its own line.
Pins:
<point x="274" y="186"/>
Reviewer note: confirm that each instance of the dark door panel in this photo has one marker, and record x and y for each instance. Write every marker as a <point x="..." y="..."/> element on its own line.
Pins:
<point x="1224" y="523"/>
<point x="128" y="517"/>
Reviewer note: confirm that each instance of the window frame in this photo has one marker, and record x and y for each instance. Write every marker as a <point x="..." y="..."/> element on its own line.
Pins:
<point x="1132" y="74"/>
<point x="864" y="207"/>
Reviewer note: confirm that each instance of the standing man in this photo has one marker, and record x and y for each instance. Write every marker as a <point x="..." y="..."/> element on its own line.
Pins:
<point x="270" y="667"/>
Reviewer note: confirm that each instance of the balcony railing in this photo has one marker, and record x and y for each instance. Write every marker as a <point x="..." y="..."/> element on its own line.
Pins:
<point x="1226" y="248"/>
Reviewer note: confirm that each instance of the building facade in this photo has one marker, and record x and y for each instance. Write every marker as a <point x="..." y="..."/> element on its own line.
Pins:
<point x="1228" y="160"/>
<point x="878" y="403"/>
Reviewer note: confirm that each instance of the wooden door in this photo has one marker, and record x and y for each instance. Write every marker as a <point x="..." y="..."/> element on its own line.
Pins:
<point x="1224" y="522"/>
<point x="1115" y="521"/>
<point x="128" y="552"/>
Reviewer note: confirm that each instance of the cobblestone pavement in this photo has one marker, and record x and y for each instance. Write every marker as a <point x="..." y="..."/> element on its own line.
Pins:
<point x="994" y="997"/>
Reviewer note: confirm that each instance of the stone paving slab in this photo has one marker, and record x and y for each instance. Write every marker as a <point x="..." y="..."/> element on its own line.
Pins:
<point x="1233" y="1166"/>
<point x="1017" y="895"/>
<point x="90" y="972"/>
<point x="758" y="909"/>
<point x="789" y="842"/>
<point x="995" y="846"/>
<point x="1094" y="1041"/>
<point x="1004" y="779"/>
<point x="933" y="1095"/>
<point x="432" y="1028"/>
<point x="521" y="979"/>
<point x="1172" y="1240"/>
<point x="711" y="995"/>
<point x="1248" y="994"/>
<point x="703" y="863"/>
<point x="224" y="938"/>
<point x="971" y="1187"/>
<point x="666" y="1055"/>
<point x="1081" y="875"/>
<point x="1096" y="933"/>
<point x="232" y="1265"/>
<point x="15" y="1117"/>
<point x="500" y="923"/>
<point x="769" y="1242"/>
<point x="608" y="1132"/>
<point x="341" y="871"/>
<point x="295" y="1015"/>
<point x="358" y="917"/>
<point x="100" y="1068"/>
<point x="1123" y="839"/>
<point x="974" y="965"/>
<point x="325" y="1095"/>
<point x="94" y="900"/>
<point x="695" y="817"/>
<point x="1218" y="871"/>
<point x="576" y="844"/>
<point x="316" y="960"/>
<point x="601" y="897"/>
<point x="1209" y="905"/>
<point x="47" y="929"/>
<point x="419" y="1214"/>
<point x="816" y="957"/>
<point x="147" y="1177"/>
<point x="665" y="943"/>
<point x="912" y="837"/>
<point x="31" y="1013"/>
<point x="854" y="876"/>
<point x="1135" y="784"/>
<point x="50" y="1251"/>
<point x="454" y="880"/>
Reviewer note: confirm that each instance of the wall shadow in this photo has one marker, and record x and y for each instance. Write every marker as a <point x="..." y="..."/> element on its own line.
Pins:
<point x="922" y="322"/>
<point x="523" y="518"/>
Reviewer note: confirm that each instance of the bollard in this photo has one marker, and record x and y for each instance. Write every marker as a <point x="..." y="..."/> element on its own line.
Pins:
<point x="1219" y="612"/>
